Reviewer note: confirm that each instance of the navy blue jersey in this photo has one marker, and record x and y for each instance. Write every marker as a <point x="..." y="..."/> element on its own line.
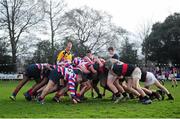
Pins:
<point x="118" y="69"/>
<point x="115" y="56"/>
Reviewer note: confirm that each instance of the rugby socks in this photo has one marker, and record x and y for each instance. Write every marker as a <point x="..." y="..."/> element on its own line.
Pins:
<point x="92" y="94"/>
<point x="78" y="95"/>
<point x="40" y="99"/>
<point x="57" y="95"/>
<point x="99" y="96"/>
<point x="30" y="91"/>
<point x="174" y="86"/>
<point x="151" y="96"/>
<point x="124" y="94"/>
<point x="140" y="97"/>
<point x="131" y="96"/>
<point x="143" y="98"/>
<point x="154" y="95"/>
<point x="170" y="97"/>
<point x="162" y="93"/>
<point x="117" y="94"/>
<point x="14" y="94"/>
<point x="106" y="87"/>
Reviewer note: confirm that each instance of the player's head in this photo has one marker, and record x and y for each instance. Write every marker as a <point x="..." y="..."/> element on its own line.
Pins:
<point x="76" y="61"/>
<point x="89" y="53"/>
<point x="111" y="50"/>
<point x="69" y="46"/>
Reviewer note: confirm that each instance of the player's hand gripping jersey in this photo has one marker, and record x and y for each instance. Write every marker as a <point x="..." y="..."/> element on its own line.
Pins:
<point x="65" y="64"/>
<point x="83" y="65"/>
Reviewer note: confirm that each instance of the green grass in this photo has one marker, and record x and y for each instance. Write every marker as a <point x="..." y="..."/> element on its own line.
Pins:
<point x="92" y="108"/>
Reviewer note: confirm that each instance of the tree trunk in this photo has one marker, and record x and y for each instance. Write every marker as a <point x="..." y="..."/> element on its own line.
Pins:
<point x="52" y="31"/>
<point x="14" y="58"/>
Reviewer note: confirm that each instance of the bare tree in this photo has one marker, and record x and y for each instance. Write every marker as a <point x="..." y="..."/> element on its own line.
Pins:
<point x="117" y="36"/>
<point x="54" y="11"/>
<point x="144" y="31"/>
<point x="16" y="17"/>
<point x="91" y="28"/>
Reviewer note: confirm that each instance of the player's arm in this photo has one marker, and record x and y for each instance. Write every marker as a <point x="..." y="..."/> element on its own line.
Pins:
<point x="91" y="68"/>
<point x="88" y="60"/>
<point x="60" y="63"/>
<point x="102" y="60"/>
<point x="84" y="70"/>
<point x="98" y="61"/>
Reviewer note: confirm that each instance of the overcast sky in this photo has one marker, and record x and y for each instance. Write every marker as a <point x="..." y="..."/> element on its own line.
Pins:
<point x="130" y="14"/>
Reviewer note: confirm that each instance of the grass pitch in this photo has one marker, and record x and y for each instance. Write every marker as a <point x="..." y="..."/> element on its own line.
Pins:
<point x="92" y="108"/>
